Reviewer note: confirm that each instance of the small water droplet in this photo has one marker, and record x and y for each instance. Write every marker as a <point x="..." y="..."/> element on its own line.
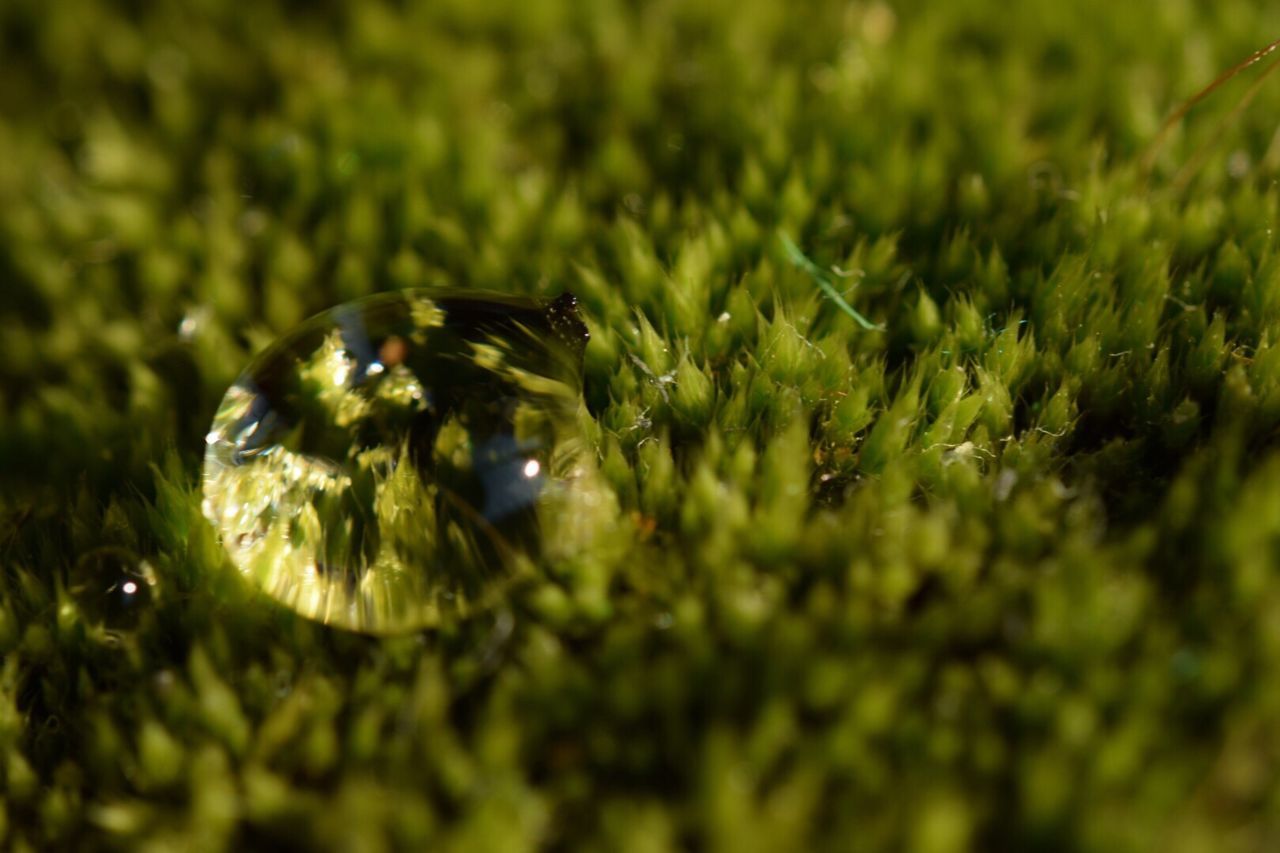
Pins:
<point x="194" y="322"/>
<point x="394" y="461"/>
<point x="111" y="587"/>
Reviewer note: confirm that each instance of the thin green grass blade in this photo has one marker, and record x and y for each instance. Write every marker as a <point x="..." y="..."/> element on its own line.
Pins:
<point x="801" y="260"/>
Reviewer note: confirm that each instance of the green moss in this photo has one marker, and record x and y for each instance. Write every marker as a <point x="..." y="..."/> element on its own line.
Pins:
<point x="1002" y="574"/>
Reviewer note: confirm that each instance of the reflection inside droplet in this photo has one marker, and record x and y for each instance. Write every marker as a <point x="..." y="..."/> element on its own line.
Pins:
<point x="395" y="461"/>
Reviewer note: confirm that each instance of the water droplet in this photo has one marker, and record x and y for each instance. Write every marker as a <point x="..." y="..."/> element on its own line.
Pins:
<point x="112" y="588"/>
<point x="396" y="461"/>
<point x="193" y="322"/>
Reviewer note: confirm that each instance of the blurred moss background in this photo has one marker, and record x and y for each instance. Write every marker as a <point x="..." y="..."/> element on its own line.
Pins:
<point x="1004" y="575"/>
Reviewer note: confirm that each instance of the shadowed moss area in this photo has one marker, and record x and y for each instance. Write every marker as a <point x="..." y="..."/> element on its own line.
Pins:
<point x="1004" y="574"/>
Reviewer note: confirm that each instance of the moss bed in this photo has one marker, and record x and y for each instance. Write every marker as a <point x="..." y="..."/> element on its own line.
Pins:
<point x="1003" y="574"/>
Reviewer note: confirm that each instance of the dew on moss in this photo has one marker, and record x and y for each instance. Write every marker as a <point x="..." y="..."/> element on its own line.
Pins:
<point x="397" y="461"/>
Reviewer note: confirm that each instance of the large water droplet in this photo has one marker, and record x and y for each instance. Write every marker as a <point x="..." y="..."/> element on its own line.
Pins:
<point x="397" y="460"/>
<point x="112" y="588"/>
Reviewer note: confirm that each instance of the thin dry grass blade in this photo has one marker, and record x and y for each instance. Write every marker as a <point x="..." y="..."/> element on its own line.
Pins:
<point x="1189" y="169"/>
<point x="1166" y="128"/>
